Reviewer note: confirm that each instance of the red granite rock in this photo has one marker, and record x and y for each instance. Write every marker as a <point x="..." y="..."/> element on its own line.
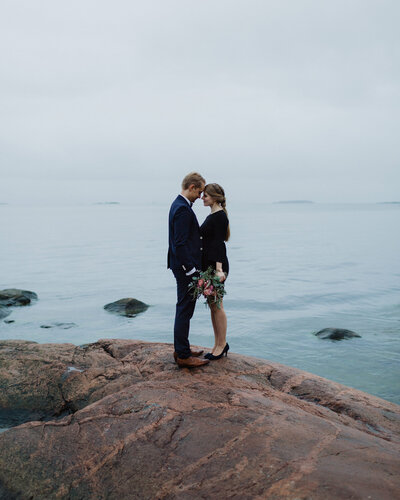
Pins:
<point x="141" y="428"/>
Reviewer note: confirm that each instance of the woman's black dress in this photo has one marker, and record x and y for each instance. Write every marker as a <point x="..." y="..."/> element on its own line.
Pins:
<point x="213" y="231"/>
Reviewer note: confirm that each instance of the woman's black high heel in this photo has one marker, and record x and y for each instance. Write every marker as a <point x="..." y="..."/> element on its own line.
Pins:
<point x="211" y="356"/>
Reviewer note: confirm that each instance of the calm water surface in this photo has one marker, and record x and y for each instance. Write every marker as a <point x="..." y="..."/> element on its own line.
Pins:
<point x="295" y="269"/>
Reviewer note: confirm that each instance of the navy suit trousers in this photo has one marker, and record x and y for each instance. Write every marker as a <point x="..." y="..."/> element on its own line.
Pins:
<point x="184" y="311"/>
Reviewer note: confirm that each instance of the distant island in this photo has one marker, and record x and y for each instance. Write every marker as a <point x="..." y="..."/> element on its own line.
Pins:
<point x="107" y="203"/>
<point x="292" y="201"/>
<point x="388" y="202"/>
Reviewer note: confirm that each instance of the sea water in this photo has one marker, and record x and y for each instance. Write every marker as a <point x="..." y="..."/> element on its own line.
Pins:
<point x="294" y="269"/>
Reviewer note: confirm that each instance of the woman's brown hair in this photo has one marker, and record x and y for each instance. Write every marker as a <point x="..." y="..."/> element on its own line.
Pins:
<point x="218" y="194"/>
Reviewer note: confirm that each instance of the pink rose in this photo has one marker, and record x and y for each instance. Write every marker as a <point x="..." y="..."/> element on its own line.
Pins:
<point x="200" y="283"/>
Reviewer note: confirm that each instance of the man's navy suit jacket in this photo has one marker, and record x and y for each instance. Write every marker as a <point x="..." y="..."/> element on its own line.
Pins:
<point x="184" y="250"/>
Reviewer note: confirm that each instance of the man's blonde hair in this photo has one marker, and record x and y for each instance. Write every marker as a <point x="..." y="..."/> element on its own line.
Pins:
<point x="193" y="178"/>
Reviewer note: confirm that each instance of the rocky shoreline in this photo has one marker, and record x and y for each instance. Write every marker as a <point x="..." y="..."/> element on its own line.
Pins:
<point x="117" y="419"/>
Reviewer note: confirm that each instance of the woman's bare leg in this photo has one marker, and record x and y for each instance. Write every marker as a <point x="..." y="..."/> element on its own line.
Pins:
<point x="214" y="324"/>
<point x="219" y="321"/>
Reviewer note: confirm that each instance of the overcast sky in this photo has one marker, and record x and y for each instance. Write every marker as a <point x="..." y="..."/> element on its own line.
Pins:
<point x="273" y="99"/>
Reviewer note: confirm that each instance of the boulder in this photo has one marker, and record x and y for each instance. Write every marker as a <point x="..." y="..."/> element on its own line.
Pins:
<point x="126" y="307"/>
<point x="336" y="334"/>
<point x="121" y="420"/>
<point x="14" y="297"/>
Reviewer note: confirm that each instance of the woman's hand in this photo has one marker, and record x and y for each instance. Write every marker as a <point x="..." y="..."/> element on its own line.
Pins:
<point x="221" y="275"/>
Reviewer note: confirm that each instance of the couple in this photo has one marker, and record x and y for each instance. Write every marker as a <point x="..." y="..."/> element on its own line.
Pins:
<point x="193" y="248"/>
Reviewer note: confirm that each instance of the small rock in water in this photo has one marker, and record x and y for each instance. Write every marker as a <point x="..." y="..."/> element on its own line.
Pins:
<point x="126" y="307"/>
<point x="64" y="326"/>
<point x="8" y="321"/>
<point x="15" y="297"/>
<point x="336" y="334"/>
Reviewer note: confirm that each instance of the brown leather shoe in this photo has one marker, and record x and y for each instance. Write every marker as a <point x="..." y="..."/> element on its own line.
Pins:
<point x="191" y="362"/>
<point x="195" y="354"/>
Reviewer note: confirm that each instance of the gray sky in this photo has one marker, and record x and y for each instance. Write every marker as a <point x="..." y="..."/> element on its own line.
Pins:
<point x="288" y="99"/>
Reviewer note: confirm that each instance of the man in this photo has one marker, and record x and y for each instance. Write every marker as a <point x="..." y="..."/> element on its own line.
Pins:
<point x="184" y="258"/>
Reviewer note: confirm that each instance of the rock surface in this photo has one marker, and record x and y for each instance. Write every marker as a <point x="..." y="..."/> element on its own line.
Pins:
<point x="124" y="422"/>
<point x="336" y="334"/>
<point x="126" y="307"/>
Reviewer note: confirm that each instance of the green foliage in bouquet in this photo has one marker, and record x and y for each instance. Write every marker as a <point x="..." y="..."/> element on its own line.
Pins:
<point x="209" y="286"/>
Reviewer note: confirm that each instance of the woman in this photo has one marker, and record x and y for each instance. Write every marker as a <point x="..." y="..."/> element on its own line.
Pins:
<point x="215" y="231"/>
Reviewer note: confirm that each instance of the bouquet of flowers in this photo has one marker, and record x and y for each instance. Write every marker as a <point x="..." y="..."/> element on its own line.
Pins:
<point x="208" y="285"/>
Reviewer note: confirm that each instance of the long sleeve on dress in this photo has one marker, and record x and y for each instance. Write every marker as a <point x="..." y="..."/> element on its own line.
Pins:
<point x="213" y="231"/>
